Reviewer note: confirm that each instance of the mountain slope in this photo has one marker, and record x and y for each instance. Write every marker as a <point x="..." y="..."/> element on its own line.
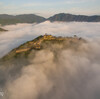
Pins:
<point x="25" y="18"/>
<point x="41" y="50"/>
<point x="78" y="18"/>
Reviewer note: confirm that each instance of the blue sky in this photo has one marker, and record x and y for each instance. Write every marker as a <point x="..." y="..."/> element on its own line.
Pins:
<point x="47" y="8"/>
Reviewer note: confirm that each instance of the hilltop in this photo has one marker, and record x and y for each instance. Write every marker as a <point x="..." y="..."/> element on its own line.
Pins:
<point x="35" y="52"/>
<point x="44" y="42"/>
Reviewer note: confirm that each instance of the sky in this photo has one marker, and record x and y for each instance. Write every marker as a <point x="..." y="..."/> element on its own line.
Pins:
<point x="48" y="8"/>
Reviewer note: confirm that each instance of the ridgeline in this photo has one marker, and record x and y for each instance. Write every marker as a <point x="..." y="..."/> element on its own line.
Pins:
<point x="44" y="42"/>
<point x="6" y="19"/>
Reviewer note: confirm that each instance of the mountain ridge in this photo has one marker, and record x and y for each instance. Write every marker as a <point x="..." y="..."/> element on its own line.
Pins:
<point x="66" y="17"/>
<point x="6" y="19"/>
<point x="43" y="42"/>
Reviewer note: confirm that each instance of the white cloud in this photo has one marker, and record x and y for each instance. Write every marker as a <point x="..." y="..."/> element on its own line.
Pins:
<point x="78" y="1"/>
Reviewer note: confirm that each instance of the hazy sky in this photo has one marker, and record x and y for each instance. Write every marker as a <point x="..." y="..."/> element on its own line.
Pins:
<point x="50" y="7"/>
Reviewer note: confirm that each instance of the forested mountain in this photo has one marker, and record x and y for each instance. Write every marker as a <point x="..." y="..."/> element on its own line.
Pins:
<point x="32" y="18"/>
<point x="79" y="18"/>
<point x="24" y="18"/>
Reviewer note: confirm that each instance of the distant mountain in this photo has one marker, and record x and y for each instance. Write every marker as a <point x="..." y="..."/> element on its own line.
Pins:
<point x="24" y="18"/>
<point x="78" y="18"/>
<point x="32" y="18"/>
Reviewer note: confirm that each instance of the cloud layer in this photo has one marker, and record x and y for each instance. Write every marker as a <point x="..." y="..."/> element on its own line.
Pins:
<point x="72" y="74"/>
<point x="21" y="33"/>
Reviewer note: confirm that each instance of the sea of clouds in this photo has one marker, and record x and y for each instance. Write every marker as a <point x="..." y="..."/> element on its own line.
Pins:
<point x="21" y="33"/>
<point x="74" y="75"/>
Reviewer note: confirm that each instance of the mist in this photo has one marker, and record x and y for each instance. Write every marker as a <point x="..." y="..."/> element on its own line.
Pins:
<point x="20" y="33"/>
<point x="71" y="74"/>
<point x="55" y="74"/>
